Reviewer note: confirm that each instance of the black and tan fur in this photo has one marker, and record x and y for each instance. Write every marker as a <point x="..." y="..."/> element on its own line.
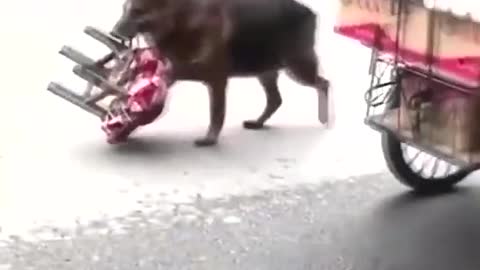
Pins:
<point x="212" y="40"/>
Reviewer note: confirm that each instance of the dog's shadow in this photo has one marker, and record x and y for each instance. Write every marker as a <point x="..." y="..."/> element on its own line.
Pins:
<point x="414" y="231"/>
<point x="155" y="153"/>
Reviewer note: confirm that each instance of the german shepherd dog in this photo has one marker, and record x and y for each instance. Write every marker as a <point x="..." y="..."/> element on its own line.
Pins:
<point x="211" y="40"/>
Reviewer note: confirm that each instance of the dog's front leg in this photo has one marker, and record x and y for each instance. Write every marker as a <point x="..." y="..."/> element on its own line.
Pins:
<point x="217" y="99"/>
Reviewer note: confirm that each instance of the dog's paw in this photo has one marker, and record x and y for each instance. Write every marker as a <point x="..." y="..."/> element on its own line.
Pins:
<point x="323" y="118"/>
<point x="205" y="142"/>
<point x="323" y="109"/>
<point x="252" y="124"/>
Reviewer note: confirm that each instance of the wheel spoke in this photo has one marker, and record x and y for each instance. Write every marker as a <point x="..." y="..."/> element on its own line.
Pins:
<point x="424" y="164"/>
<point x="449" y="169"/>
<point x="410" y="162"/>
<point x="418" y="161"/>
<point x="435" y="168"/>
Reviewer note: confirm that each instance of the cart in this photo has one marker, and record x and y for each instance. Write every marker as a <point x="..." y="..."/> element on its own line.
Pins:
<point x="424" y="92"/>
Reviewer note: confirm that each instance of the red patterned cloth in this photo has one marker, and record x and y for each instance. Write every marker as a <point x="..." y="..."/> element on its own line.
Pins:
<point x="464" y="69"/>
<point x="147" y="93"/>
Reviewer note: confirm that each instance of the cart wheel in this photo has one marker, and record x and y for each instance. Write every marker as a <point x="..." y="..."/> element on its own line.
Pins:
<point x="419" y="170"/>
<point x="416" y="169"/>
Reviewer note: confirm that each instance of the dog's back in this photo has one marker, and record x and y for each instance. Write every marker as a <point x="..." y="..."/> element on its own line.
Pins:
<point x="265" y="32"/>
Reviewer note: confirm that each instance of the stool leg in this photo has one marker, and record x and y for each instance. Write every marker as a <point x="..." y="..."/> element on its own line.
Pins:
<point x="75" y="99"/>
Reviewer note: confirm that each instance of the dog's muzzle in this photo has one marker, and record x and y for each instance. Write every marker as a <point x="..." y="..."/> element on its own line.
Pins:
<point x="124" y="29"/>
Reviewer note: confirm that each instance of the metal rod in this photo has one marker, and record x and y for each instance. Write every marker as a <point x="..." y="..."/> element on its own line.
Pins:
<point x="76" y="56"/>
<point x="109" y="41"/>
<point x="461" y="88"/>
<point x="93" y="99"/>
<point x="104" y="60"/>
<point x="437" y="78"/>
<point x="427" y="148"/>
<point x="75" y="99"/>
<point x="80" y="71"/>
<point x="97" y="79"/>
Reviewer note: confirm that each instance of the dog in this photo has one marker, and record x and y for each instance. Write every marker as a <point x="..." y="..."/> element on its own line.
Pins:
<point x="212" y="40"/>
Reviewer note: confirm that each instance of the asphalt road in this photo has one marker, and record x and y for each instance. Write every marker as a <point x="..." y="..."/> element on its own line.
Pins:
<point x="53" y="155"/>
<point x="294" y="196"/>
<point x="364" y="223"/>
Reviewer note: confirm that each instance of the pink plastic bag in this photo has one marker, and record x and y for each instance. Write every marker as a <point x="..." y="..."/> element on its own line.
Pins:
<point x="149" y="80"/>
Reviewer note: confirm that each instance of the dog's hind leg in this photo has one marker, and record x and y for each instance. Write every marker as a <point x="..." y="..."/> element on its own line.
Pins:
<point x="269" y="83"/>
<point x="304" y="69"/>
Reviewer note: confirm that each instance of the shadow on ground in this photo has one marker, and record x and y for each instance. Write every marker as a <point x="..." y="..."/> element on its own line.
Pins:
<point x="418" y="232"/>
<point x="236" y="141"/>
<point x="365" y="224"/>
<point x="152" y="154"/>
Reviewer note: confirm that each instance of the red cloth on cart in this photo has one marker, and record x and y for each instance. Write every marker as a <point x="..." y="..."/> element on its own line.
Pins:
<point x="464" y="69"/>
<point x="147" y="93"/>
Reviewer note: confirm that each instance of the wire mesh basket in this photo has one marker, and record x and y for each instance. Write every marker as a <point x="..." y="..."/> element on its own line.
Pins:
<point x="425" y="76"/>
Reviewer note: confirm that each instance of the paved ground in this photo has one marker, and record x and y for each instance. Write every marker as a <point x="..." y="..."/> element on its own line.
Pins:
<point x="295" y="196"/>
<point x="53" y="155"/>
<point x="365" y="223"/>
